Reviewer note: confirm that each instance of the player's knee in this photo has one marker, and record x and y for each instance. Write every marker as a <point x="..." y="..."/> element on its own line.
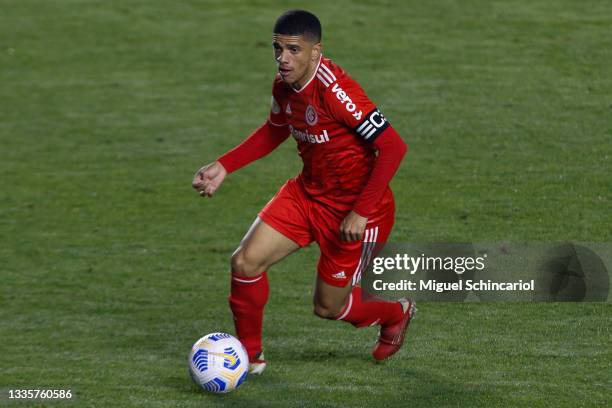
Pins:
<point x="327" y="311"/>
<point x="245" y="265"/>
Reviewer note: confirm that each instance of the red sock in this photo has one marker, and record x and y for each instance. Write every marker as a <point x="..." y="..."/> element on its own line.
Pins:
<point x="362" y="314"/>
<point x="247" y="300"/>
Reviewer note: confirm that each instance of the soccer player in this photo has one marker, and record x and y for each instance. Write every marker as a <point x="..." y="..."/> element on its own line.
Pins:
<point x="340" y="199"/>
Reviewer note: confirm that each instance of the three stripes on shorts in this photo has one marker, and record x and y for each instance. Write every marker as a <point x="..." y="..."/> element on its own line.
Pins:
<point x="369" y="243"/>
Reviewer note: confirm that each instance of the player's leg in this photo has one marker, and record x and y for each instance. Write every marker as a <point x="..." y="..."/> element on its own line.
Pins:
<point x="330" y="300"/>
<point x="261" y="248"/>
<point x="336" y="295"/>
<point x="280" y="229"/>
<point x="346" y="303"/>
<point x="339" y="271"/>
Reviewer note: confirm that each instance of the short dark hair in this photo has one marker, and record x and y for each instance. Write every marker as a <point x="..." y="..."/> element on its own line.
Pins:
<point x="299" y="22"/>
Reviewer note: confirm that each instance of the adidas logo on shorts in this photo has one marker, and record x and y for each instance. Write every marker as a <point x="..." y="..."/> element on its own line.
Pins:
<point x="339" y="275"/>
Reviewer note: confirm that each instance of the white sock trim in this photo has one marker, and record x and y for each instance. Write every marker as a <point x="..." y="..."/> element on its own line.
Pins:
<point x="251" y="280"/>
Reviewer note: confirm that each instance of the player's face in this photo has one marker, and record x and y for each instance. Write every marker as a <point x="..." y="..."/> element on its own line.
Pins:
<point x="296" y="57"/>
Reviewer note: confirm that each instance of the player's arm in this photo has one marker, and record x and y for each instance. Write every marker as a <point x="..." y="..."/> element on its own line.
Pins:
<point x="349" y="104"/>
<point x="391" y="150"/>
<point x="260" y="143"/>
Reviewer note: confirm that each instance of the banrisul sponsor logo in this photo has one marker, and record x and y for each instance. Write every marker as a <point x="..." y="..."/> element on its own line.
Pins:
<point x="304" y="136"/>
<point x="346" y="101"/>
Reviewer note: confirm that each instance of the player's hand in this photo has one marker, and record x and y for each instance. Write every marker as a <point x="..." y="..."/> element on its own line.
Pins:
<point x="353" y="227"/>
<point x="208" y="179"/>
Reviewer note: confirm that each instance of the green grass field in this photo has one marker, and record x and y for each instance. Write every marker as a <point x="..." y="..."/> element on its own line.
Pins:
<point x="111" y="266"/>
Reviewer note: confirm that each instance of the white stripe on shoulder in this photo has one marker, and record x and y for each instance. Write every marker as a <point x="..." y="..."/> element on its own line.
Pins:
<point x="322" y="80"/>
<point x="331" y="74"/>
<point x="325" y="75"/>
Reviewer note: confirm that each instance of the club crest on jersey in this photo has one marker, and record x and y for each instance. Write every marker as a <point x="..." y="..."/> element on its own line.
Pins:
<point x="288" y="110"/>
<point x="311" y="116"/>
<point x="275" y="107"/>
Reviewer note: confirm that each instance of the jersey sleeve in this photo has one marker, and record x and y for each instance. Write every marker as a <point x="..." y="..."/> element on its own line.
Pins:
<point x="348" y="104"/>
<point x="391" y="151"/>
<point x="277" y="115"/>
<point x="261" y="142"/>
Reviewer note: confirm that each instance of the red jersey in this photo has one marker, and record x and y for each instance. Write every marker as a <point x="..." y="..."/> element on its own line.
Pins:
<point x="334" y="123"/>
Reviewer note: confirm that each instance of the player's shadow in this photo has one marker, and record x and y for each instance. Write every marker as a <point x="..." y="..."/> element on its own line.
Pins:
<point x="416" y="387"/>
<point x="424" y="388"/>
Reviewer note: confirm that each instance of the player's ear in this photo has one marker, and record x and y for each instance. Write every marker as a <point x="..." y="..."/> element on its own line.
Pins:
<point x="316" y="51"/>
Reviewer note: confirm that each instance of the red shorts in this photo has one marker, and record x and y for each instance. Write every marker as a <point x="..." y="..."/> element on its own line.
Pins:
<point x="297" y="216"/>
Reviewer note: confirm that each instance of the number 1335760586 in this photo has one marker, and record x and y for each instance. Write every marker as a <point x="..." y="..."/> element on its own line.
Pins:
<point x="39" y="394"/>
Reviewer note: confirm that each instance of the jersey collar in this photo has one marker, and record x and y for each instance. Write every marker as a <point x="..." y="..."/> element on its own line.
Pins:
<point x="311" y="78"/>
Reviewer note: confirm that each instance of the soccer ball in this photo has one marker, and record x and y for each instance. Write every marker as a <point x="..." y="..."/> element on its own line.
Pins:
<point x="218" y="363"/>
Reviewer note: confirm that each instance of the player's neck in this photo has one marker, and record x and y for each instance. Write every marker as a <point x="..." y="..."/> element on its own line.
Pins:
<point x="308" y="77"/>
